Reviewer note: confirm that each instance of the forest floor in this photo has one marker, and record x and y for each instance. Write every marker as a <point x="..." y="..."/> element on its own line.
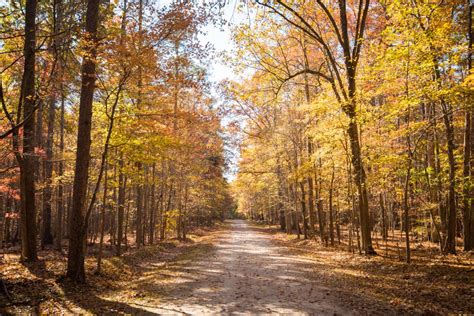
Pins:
<point x="432" y="284"/>
<point x="242" y="267"/>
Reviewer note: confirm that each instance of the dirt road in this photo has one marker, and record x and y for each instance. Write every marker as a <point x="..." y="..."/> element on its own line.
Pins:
<point x="248" y="273"/>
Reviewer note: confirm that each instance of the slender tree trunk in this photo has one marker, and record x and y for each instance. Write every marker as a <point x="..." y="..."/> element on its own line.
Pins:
<point x="321" y="217"/>
<point x="384" y="220"/>
<point x="139" y="206"/>
<point x="280" y="207"/>
<point x="47" y="237"/>
<point x="467" y="177"/>
<point x="303" y="210"/>
<point x="468" y="171"/>
<point x="127" y="217"/>
<point x="122" y="180"/>
<point x="102" y="222"/>
<point x="450" y="246"/>
<point x="331" y="217"/>
<point x="46" y="233"/>
<point x="121" y="206"/>
<point x="139" y="198"/>
<point x="151" y="228"/>
<point x="60" y="198"/>
<point x="360" y="181"/>
<point x="146" y="197"/>
<point x="312" y="215"/>
<point x="406" y="207"/>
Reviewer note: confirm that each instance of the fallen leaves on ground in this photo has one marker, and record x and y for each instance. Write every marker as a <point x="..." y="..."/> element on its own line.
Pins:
<point x="41" y="288"/>
<point x="431" y="284"/>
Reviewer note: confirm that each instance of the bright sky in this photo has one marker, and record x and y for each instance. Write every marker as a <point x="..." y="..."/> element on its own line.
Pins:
<point x="221" y="39"/>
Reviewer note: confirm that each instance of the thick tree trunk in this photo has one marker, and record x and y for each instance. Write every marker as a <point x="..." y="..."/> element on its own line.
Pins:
<point x="27" y="160"/>
<point x="77" y="221"/>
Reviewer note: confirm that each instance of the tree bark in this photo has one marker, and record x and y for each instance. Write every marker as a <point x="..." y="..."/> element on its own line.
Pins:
<point x="468" y="170"/>
<point x="384" y="220"/>
<point x="47" y="237"/>
<point x="331" y="209"/>
<point x="27" y="159"/>
<point x="121" y="206"/>
<point x="60" y="198"/>
<point x="102" y="222"/>
<point x="450" y="245"/>
<point x="78" y="223"/>
<point x="360" y="180"/>
<point x="139" y="205"/>
<point x="303" y="210"/>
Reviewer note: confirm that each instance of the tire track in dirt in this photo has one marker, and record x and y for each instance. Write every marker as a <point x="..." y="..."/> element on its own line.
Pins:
<point x="247" y="273"/>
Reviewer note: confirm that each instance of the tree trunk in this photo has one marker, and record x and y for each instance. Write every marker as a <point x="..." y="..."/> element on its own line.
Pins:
<point x="360" y="180"/>
<point x="152" y="211"/>
<point x="331" y="217"/>
<point x="303" y="210"/>
<point x="46" y="233"/>
<point x="468" y="211"/>
<point x="60" y="198"/>
<point x="78" y="224"/>
<point x="102" y="223"/>
<point x="280" y="204"/>
<point x="121" y="206"/>
<point x="384" y="220"/>
<point x="47" y="237"/>
<point x="450" y="246"/>
<point x="321" y="217"/>
<point x="27" y="160"/>
<point x="139" y="206"/>
<point x="312" y="215"/>
<point x="122" y="180"/>
<point x="407" y="208"/>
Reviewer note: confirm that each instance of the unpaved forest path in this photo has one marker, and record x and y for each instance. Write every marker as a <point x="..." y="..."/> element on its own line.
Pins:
<point x="248" y="273"/>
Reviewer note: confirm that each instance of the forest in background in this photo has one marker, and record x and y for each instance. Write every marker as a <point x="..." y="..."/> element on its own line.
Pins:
<point x="358" y="122"/>
<point x="110" y="134"/>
